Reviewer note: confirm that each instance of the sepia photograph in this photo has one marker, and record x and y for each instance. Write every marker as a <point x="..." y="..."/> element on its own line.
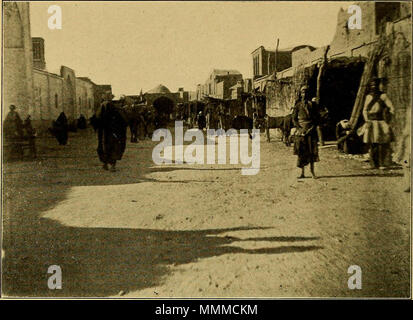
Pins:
<point x="206" y="150"/>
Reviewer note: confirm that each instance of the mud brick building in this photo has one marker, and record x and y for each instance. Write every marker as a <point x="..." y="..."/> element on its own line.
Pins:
<point x="28" y="85"/>
<point x="268" y="61"/>
<point x="18" y="58"/>
<point x="162" y="99"/>
<point x="346" y="57"/>
<point x="219" y="83"/>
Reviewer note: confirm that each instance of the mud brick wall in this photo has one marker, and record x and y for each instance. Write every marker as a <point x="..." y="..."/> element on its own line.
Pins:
<point x="395" y="68"/>
<point x="283" y="93"/>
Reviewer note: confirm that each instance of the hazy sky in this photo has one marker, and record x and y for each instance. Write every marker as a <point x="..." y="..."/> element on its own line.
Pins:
<point x="134" y="45"/>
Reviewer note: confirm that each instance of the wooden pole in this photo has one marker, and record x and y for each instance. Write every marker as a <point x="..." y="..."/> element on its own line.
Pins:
<point x="276" y="54"/>
<point x="374" y="56"/>
<point x="323" y="65"/>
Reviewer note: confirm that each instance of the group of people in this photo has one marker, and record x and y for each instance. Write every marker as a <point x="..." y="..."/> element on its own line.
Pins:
<point x="16" y="132"/>
<point x="205" y="116"/>
<point x="376" y="132"/>
<point x="142" y="123"/>
<point x="112" y="122"/>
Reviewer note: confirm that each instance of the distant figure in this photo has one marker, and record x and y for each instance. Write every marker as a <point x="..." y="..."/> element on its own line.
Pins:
<point x="81" y="122"/>
<point x="201" y="120"/>
<point x="306" y="119"/>
<point x="255" y="120"/>
<point x="13" y="132"/>
<point x="112" y="125"/>
<point x="221" y="116"/>
<point x="60" y="129"/>
<point x="150" y="124"/>
<point x="28" y="130"/>
<point x="376" y="131"/>
<point x="13" y="125"/>
<point x="94" y="122"/>
<point x="29" y="134"/>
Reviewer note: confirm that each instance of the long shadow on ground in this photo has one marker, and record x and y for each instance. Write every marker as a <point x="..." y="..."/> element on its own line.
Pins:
<point x="95" y="261"/>
<point x="105" y="261"/>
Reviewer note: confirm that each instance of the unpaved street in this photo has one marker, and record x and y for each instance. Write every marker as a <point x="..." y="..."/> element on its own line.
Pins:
<point x="201" y="230"/>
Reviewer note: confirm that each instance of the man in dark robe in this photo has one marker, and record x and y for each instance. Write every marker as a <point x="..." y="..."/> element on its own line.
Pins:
<point x="13" y="124"/>
<point x="112" y="125"/>
<point x="29" y="134"/>
<point x="81" y="122"/>
<point x="60" y="129"/>
<point x="13" y="132"/>
<point x="306" y="119"/>
<point x="201" y="121"/>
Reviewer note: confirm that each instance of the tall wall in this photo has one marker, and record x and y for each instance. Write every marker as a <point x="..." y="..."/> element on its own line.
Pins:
<point x="282" y="94"/>
<point x="85" y="98"/>
<point x="48" y="97"/>
<point x="223" y="84"/>
<point x="53" y="94"/>
<point x="28" y="86"/>
<point x="356" y="42"/>
<point x="18" y="58"/>
<point x="395" y="67"/>
<point x="69" y="92"/>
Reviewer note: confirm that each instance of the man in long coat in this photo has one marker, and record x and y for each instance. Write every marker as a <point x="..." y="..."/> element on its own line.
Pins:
<point x="306" y="118"/>
<point x="13" y="132"/>
<point x="60" y="129"/>
<point x="112" y="125"/>
<point x="13" y="124"/>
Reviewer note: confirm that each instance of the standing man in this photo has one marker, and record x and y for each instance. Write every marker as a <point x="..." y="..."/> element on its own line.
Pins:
<point x="112" y="125"/>
<point x="13" y="132"/>
<point x="376" y="131"/>
<point x="201" y="120"/>
<point x="306" y="119"/>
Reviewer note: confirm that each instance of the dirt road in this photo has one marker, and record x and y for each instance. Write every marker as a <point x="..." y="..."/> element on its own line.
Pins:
<point x="201" y="230"/>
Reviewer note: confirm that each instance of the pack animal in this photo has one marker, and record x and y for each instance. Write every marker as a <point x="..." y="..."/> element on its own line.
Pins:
<point x="243" y="122"/>
<point x="284" y="124"/>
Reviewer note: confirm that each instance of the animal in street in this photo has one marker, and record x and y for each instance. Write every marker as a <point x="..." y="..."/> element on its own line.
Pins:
<point x="135" y="119"/>
<point x="243" y="122"/>
<point x="283" y="123"/>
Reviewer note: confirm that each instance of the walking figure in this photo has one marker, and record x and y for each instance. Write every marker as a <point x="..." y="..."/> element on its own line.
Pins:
<point x="112" y="125"/>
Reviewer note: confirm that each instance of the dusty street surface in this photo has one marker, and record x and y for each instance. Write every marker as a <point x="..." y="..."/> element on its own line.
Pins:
<point x="201" y="230"/>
